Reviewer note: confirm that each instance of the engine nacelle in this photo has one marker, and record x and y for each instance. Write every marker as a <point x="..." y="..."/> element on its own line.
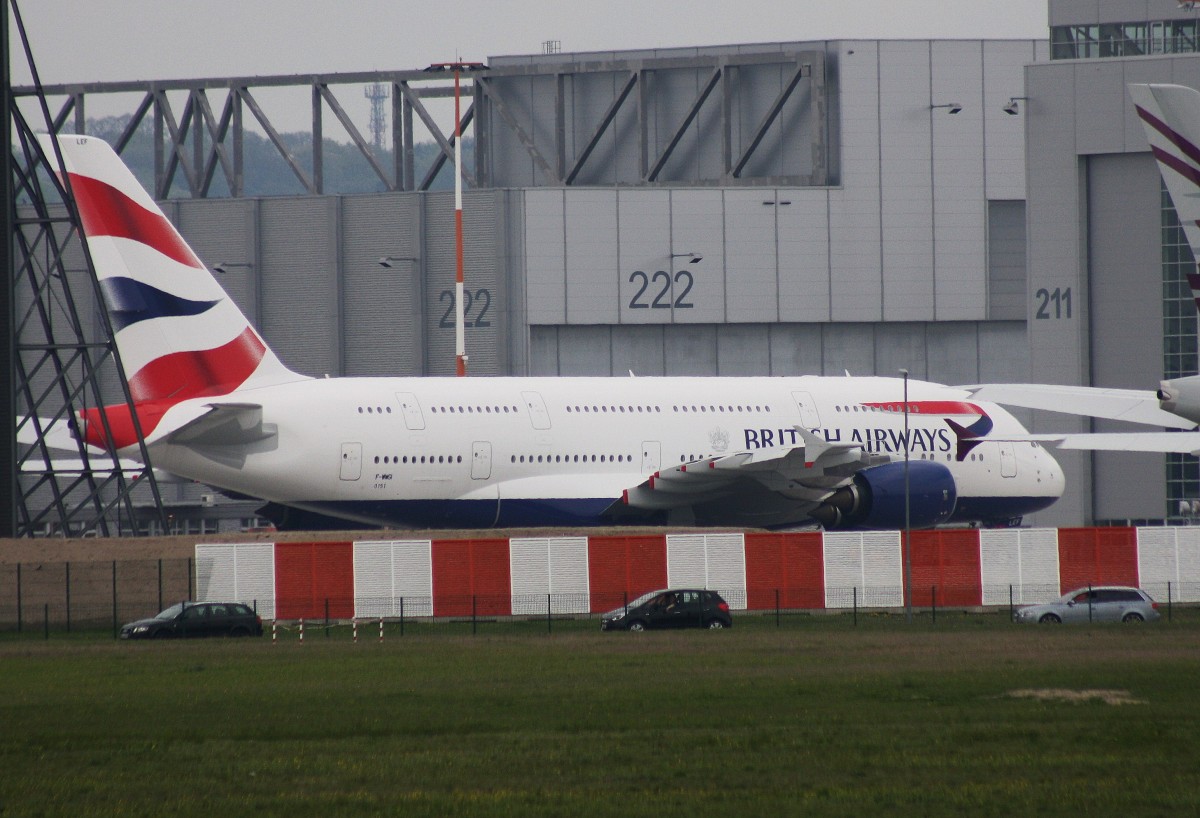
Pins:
<point x="875" y="498"/>
<point x="1181" y="396"/>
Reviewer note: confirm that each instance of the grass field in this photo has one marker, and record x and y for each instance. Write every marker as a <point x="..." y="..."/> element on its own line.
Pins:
<point x="972" y="716"/>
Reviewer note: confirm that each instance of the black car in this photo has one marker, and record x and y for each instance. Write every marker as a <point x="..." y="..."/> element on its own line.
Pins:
<point x="193" y="619"/>
<point x="673" y="608"/>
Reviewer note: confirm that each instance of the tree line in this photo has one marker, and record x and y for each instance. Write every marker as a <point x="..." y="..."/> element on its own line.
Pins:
<point x="265" y="171"/>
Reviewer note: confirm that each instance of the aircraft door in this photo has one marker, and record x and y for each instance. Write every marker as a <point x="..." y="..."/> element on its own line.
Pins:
<point x="538" y="415"/>
<point x="351" y="461"/>
<point x="410" y="408"/>
<point x="651" y="456"/>
<point x="808" y="410"/>
<point x="481" y="460"/>
<point x="1008" y="460"/>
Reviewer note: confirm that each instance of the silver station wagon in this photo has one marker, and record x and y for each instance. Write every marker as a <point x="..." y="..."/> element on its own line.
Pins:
<point x="1101" y="603"/>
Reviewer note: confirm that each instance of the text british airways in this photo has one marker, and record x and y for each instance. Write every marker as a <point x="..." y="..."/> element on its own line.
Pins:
<point x="871" y="439"/>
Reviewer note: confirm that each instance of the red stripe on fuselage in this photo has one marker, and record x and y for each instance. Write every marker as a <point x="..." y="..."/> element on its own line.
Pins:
<point x="929" y="407"/>
<point x="106" y="211"/>
<point x="173" y="378"/>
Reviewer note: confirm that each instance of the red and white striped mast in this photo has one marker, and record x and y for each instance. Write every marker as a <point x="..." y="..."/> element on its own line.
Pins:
<point x="460" y="335"/>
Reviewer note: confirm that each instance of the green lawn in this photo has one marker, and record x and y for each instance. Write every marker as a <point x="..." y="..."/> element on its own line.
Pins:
<point x="818" y="717"/>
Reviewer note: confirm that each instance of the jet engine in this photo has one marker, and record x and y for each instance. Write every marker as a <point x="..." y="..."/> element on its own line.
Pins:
<point x="1181" y="396"/>
<point x="875" y="498"/>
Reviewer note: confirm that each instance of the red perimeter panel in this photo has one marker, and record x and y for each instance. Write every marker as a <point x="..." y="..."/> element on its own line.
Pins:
<point x="791" y="564"/>
<point x="623" y="568"/>
<point x="947" y="560"/>
<point x="309" y="573"/>
<point x="471" y="576"/>
<point x="1096" y="556"/>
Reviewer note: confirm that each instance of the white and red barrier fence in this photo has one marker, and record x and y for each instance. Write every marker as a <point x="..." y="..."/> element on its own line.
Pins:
<point x="755" y="571"/>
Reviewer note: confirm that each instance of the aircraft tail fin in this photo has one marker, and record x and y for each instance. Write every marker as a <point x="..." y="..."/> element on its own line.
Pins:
<point x="1170" y="115"/>
<point x="179" y="334"/>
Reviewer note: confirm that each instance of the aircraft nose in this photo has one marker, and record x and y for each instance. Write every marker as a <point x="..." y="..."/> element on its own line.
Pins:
<point x="1050" y="473"/>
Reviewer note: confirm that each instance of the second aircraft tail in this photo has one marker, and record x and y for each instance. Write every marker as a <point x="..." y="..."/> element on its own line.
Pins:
<point x="1170" y="115"/>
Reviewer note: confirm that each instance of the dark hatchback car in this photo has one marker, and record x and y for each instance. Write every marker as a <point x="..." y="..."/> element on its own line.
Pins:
<point x="675" y="608"/>
<point x="195" y="619"/>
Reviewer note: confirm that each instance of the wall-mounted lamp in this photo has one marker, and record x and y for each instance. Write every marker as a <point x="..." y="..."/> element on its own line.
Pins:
<point x="954" y="107"/>
<point x="1011" y="108"/>
<point x="386" y="261"/>
<point x="693" y="256"/>
<point x="226" y="266"/>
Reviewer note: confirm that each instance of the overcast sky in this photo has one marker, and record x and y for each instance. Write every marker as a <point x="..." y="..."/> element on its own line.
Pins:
<point x="93" y="40"/>
<point x="108" y="40"/>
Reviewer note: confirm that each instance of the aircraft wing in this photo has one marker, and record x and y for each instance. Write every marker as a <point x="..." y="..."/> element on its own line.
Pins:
<point x="1164" y="442"/>
<point x="807" y="472"/>
<point x="1130" y="405"/>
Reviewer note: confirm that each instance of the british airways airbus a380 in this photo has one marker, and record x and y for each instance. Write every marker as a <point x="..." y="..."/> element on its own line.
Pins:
<point x="216" y="405"/>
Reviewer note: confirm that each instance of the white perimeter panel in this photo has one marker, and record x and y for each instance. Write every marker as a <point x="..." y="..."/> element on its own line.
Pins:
<point x="686" y="561"/>
<point x="863" y="566"/>
<point x="557" y="566"/>
<point x="1158" y="560"/>
<point x="716" y="561"/>
<point x="726" y="559"/>
<point x="237" y="572"/>
<point x="1026" y="559"/>
<point x="1169" y="555"/>
<point x="216" y="572"/>
<point x="1188" y="543"/>
<point x="392" y="577"/>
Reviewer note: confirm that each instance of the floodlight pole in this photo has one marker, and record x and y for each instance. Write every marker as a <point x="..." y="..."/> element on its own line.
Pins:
<point x="460" y="333"/>
<point x="907" y="513"/>
<point x="460" y="337"/>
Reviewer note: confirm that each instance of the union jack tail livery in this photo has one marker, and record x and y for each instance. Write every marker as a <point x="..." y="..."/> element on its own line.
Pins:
<point x="178" y="333"/>
<point x="1170" y="115"/>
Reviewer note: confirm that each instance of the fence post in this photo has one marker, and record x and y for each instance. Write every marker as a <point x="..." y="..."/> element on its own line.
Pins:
<point x="381" y="627"/>
<point x="1168" y="601"/>
<point x="69" y="596"/>
<point x="114" y="590"/>
<point x="777" y="607"/>
<point x="855" y="589"/>
<point x="473" y="621"/>
<point x="354" y="626"/>
<point x="301" y="630"/>
<point x="326" y="617"/>
<point x="1011" y="610"/>
<point x="401" y="620"/>
<point x="274" y="631"/>
<point x="549" y="628"/>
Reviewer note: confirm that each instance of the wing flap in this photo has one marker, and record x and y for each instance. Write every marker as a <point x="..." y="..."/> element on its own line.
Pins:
<point x="805" y="473"/>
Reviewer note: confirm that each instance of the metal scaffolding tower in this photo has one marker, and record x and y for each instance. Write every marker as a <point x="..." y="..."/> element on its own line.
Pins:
<point x="57" y="342"/>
